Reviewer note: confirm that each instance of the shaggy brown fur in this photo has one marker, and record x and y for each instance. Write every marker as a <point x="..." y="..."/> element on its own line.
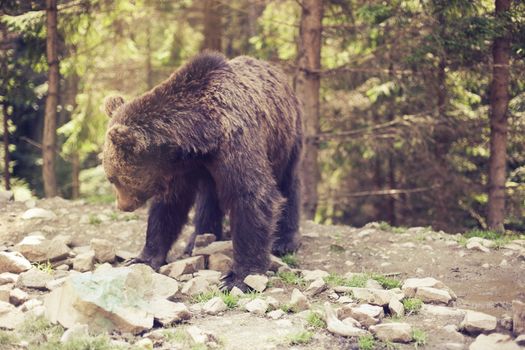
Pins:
<point x="225" y="133"/>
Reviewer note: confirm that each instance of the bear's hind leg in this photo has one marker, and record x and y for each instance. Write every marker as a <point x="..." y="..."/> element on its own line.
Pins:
<point x="208" y="213"/>
<point x="165" y="222"/>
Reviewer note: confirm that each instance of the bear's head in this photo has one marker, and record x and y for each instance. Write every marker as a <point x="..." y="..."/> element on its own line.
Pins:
<point x="126" y="162"/>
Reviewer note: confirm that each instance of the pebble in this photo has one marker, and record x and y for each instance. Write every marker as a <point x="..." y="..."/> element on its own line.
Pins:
<point x="257" y="306"/>
<point x="433" y="295"/>
<point x="256" y="282"/>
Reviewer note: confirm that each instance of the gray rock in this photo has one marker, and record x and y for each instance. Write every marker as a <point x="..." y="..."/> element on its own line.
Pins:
<point x="84" y="262"/>
<point x="220" y="262"/>
<point x="494" y="341"/>
<point x="256" y="282"/>
<point x="441" y="311"/>
<point x="478" y="322"/>
<point x="236" y="292"/>
<point x="166" y="312"/>
<point x="373" y="284"/>
<point x="31" y="304"/>
<point x="396" y="308"/>
<point x="411" y="285"/>
<point x="104" y="250"/>
<point x="204" y="239"/>
<point x="34" y="278"/>
<point x="225" y="247"/>
<point x="13" y="262"/>
<point x="212" y="276"/>
<point x="298" y="301"/>
<point x="316" y="287"/>
<point x="276" y="314"/>
<point x="75" y="332"/>
<point x="477" y="246"/>
<point x="143" y="344"/>
<point x="433" y="295"/>
<point x="196" y="286"/>
<point x="214" y="306"/>
<point x="5" y="292"/>
<point x="379" y="297"/>
<point x="257" y="306"/>
<point x="394" y="332"/>
<point x="366" y="314"/>
<point x="38" y="213"/>
<point x="37" y="248"/>
<point x="518" y="317"/>
<point x="8" y="277"/>
<point x="272" y="303"/>
<point x="6" y="196"/>
<point x="10" y="316"/>
<point x="520" y="340"/>
<point x="312" y="275"/>
<point x="335" y="326"/>
<point x="18" y="297"/>
<point x="184" y="266"/>
<point x="200" y="336"/>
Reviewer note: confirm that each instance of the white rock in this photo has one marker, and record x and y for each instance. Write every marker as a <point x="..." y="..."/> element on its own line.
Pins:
<point x="276" y="314"/>
<point x="396" y="308"/>
<point x="10" y="316"/>
<point x="518" y="317"/>
<point x="34" y="278"/>
<point x="38" y="213"/>
<point x="478" y="322"/>
<point x="75" y="332"/>
<point x="225" y="247"/>
<point x="316" y="287"/>
<point x="433" y="295"/>
<point x="84" y="262"/>
<point x="18" y="296"/>
<point x="366" y="314"/>
<point x="494" y="341"/>
<point x="236" y="292"/>
<point x="272" y="302"/>
<point x="394" y="332"/>
<point x="257" y="306"/>
<point x="13" y="262"/>
<point x="8" y="277"/>
<point x="412" y="284"/>
<point x="214" y="306"/>
<point x="212" y="276"/>
<point x="5" y="292"/>
<point x="37" y="248"/>
<point x="520" y="340"/>
<point x="166" y="312"/>
<point x="200" y="336"/>
<point x="298" y="301"/>
<point x="379" y="297"/>
<point x="220" y="262"/>
<point x="312" y="275"/>
<point x="477" y="246"/>
<point x="184" y="266"/>
<point x="31" y="304"/>
<point x="441" y="311"/>
<point x="196" y="286"/>
<point x="104" y="250"/>
<point x="256" y="282"/>
<point x="334" y="325"/>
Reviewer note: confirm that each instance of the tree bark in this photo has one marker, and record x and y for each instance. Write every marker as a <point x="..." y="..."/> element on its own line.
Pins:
<point x="50" y="118"/>
<point x="307" y="85"/>
<point x="212" y="25"/>
<point x="499" y="101"/>
<point x="7" y="175"/>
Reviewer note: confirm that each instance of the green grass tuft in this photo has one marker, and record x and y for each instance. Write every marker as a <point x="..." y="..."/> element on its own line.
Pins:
<point x="94" y="219"/>
<point x="6" y="339"/>
<point x="301" y="338"/>
<point x="366" y="342"/>
<point x="227" y="298"/>
<point x="292" y="278"/>
<point x="290" y="259"/>
<point x="314" y="320"/>
<point x="412" y="305"/>
<point x="419" y="337"/>
<point x="387" y="282"/>
<point x="44" y="267"/>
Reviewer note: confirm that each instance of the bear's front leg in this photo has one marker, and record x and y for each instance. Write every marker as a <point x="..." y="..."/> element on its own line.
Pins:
<point x="165" y="222"/>
<point x="253" y="217"/>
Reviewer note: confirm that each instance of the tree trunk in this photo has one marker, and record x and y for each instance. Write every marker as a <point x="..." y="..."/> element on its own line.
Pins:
<point x="75" y="173"/>
<point x="212" y="25"/>
<point x="307" y="85"/>
<point x="50" y="118"/>
<point x="499" y="101"/>
<point x="7" y="175"/>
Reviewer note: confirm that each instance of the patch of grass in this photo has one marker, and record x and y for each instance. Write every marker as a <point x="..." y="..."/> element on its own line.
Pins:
<point x="44" y="267"/>
<point x="114" y="216"/>
<point x="94" y="219"/>
<point x="290" y="259"/>
<point x="7" y="338"/>
<point x="492" y="235"/>
<point x="300" y="338"/>
<point x="419" y="337"/>
<point x="82" y="343"/>
<point x="314" y="320"/>
<point x="412" y="305"/>
<point x="387" y="282"/>
<point x="130" y="217"/>
<point x="366" y="342"/>
<point x="358" y="280"/>
<point x="291" y="278"/>
<point x="38" y="329"/>
<point x="289" y="309"/>
<point x="385" y="226"/>
<point x="227" y="298"/>
<point x="252" y="294"/>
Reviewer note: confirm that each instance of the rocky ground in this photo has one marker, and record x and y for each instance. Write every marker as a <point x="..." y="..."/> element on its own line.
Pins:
<point x="63" y="286"/>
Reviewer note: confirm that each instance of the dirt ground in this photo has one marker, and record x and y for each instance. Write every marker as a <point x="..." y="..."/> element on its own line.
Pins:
<point x="483" y="281"/>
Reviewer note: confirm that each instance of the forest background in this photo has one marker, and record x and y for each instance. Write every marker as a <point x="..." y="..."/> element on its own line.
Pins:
<point x="414" y="110"/>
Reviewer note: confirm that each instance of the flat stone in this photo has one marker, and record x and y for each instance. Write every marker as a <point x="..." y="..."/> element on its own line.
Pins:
<point x="214" y="306"/>
<point x="18" y="297"/>
<point x="412" y="284"/>
<point x="167" y="313"/>
<point x="84" y="262"/>
<point x="393" y="332"/>
<point x="441" y="311"/>
<point x="10" y="316"/>
<point x="104" y="250"/>
<point x="38" y="213"/>
<point x="478" y="322"/>
<point x="256" y="282"/>
<point x="212" y="276"/>
<point x="200" y="336"/>
<point x="34" y="278"/>
<point x="225" y="247"/>
<point x="8" y="277"/>
<point x="396" y="308"/>
<point x="494" y="341"/>
<point x="5" y="292"/>
<point x="75" y="332"/>
<point x="316" y="287"/>
<point x="433" y="295"/>
<point x="195" y="286"/>
<point x="257" y="306"/>
<point x="220" y="262"/>
<point x="518" y="317"/>
<point x="237" y="292"/>
<point x="276" y="314"/>
<point x="366" y="314"/>
<point x="477" y="246"/>
<point x="379" y="297"/>
<point x="13" y="262"/>
<point x="335" y="326"/>
<point x="312" y="275"/>
<point x="298" y="301"/>
<point x="184" y="266"/>
<point x="204" y="239"/>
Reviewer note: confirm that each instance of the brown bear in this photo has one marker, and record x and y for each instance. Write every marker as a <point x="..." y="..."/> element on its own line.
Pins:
<point x="226" y="134"/>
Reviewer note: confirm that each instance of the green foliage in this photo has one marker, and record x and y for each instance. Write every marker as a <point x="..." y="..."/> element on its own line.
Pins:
<point x="230" y="300"/>
<point x="313" y="319"/>
<point x="290" y="259"/>
<point x="419" y="337"/>
<point x="357" y="280"/>
<point x="292" y="278"/>
<point x="366" y="342"/>
<point x="387" y="282"/>
<point x="44" y="267"/>
<point x="7" y="338"/>
<point x="289" y="309"/>
<point x="412" y="305"/>
<point x="94" y="219"/>
<point x="300" y="338"/>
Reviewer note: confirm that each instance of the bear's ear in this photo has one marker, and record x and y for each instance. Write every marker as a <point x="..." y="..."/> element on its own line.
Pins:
<point x="111" y="104"/>
<point x="132" y="143"/>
